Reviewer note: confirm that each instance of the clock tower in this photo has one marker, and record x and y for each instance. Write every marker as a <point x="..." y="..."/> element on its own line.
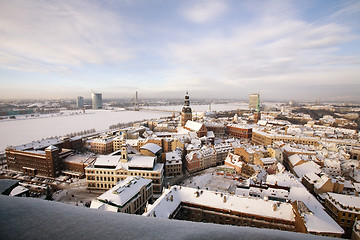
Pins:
<point x="186" y="112"/>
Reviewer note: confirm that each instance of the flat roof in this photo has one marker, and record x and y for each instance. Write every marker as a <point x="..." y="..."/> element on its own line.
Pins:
<point x="124" y="190"/>
<point x="163" y="207"/>
<point x="77" y="158"/>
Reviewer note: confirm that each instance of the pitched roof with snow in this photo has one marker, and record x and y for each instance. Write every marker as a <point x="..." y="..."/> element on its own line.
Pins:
<point x="122" y="193"/>
<point x="152" y="147"/>
<point x="307" y="167"/>
<point x="193" y="126"/>
<point x="346" y="202"/>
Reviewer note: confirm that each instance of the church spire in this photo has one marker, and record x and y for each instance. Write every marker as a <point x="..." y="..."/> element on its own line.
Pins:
<point x="186" y="113"/>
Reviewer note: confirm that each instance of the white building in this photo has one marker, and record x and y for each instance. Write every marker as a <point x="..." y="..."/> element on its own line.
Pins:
<point x="128" y="196"/>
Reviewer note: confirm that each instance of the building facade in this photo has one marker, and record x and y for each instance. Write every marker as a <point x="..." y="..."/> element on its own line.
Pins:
<point x="106" y="171"/>
<point x="45" y="163"/>
<point x="173" y="165"/>
<point x="344" y="209"/>
<point x="101" y="146"/>
<point x="128" y="196"/>
<point x="80" y="102"/>
<point x="96" y="100"/>
<point x="253" y="100"/>
<point x="239" y="131"/>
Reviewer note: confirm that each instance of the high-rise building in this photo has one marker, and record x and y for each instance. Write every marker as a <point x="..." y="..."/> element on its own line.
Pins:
<point x="253" y="100"/>
<point x="96" y="100"/>
<point x="80" y="102"/>
<point x="186" y="113"/>
<point x="257" y="114"/>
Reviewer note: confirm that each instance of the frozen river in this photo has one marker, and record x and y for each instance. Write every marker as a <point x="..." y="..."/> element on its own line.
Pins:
<point x="24" y="130"/>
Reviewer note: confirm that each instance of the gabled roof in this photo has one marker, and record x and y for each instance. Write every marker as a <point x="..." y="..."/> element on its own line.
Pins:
<point x="152" y="147"/>
<point x="193" y="126"/>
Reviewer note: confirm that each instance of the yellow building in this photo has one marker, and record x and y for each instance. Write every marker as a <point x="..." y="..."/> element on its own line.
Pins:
<point x="106" y="171"/>
<point x="344" y="209"/>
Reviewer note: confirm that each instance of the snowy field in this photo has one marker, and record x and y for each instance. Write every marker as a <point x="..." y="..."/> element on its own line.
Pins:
<point x="24" y="130"/>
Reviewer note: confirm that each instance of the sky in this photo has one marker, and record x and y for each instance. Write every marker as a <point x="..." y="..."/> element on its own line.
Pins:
<point x="282" y="49"/>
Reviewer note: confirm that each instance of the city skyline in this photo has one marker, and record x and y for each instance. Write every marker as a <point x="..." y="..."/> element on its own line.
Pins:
<point x="304" y="50"/>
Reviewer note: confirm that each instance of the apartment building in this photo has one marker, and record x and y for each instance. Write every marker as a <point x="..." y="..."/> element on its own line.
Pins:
<point x="35" y="162"/>
<point x="101" y="146"/>
<point x="128" y="196"/>
<point x="194" y="205"/>
<point x="200" y="159"/>
<point x="106" y="171"/>
<point x="344" y="209"/>
<point x="173" y="165"/>
<point x="239" y="131"/>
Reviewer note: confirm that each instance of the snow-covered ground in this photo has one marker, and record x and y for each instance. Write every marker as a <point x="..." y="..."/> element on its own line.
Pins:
<point x="24" y="130"/>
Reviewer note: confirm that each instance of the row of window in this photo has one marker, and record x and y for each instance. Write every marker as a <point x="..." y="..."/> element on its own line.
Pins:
<point x="124" y="173"/>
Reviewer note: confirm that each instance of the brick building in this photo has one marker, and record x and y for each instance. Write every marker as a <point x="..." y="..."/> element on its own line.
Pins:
<point x="344" y="209"/>
<point x="239" y="131"/>
<point x="101" y="146"/>
<point x="35" y="162"/>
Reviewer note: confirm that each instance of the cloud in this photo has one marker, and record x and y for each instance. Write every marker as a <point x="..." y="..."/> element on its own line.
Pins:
<point x="285" y="50"/>
<point x="57" y="35"/>
<point x="204" y="11"/>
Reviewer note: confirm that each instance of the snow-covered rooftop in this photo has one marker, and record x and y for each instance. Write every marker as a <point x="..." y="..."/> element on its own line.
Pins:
<point x="346" y="202"/>
<point x="163" y="207"/>
<point x="318" y="221"/>
<point x="307" y="167"/>
<point x="48" y="214"/>
<point x="18" y="190"/>
<point x="139" y="161"/>
<point x="106" y="161"/>
<point x="193" y="126"/>
<point x="152" y="147"/>
<point x="124" y="191"/>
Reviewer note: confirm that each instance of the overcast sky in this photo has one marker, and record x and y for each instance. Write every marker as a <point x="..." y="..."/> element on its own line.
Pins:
<point x="295" y="50"/>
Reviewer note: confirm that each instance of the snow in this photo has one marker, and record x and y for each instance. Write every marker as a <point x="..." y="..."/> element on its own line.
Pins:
<point x="346" y="200"/>
<point x="18" y="190"/>
<point x="124" y="191"/>
<point x="105" y="160"/>
<point x="51" y="148"/>
<point x="173" y="158"/>
<point x="152" y="147"/>
<point x="140" y="161"/>
<point x="193" y="126"/>
<point x="307" y="167"/>
<point x="81" y="223"/>
<point x="5" y="184"/>
<point x="318" y="221"/>
<point x="21" y="131"/>
<point x="163" y="207"/>
<point x="294" y="159"/>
